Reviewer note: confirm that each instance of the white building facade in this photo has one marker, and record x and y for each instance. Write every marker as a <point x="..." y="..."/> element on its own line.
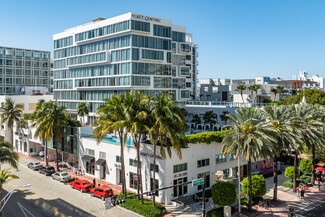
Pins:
<point x="103" y="162"/>
<point x="123" y="53"/>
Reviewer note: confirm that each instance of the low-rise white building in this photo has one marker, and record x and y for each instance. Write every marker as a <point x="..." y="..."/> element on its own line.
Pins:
<point x="103" y="162"/>
<point x="24" y="141"/>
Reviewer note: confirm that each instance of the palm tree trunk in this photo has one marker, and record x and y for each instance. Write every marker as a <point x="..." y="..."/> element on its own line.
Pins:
<point x="275" y="178"/>
<point x="313" y="165"/>
<point x="56" y="151"/>
<point x="294" y="173"/>
<point x="154" y="174"/>
<point x="12" y="136"/>
<point x="250" y="195"/>
<point x="242" y="97"/>
<point x="46" y="151"/>
<point x="138" y="170"/>
<point x="122" y="166"/>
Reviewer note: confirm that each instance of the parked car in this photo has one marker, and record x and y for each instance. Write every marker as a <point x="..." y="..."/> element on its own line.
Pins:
<point x="82" y="185"/>
<point x="34" y="165"/>
<point x="61" y="176"/>
<point x="41" y="153"/>
<point x="47" y="170"/>
<point x="102" y="192"/>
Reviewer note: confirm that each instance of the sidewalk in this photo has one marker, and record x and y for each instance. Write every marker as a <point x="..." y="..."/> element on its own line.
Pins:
<point x="116" y="188"/>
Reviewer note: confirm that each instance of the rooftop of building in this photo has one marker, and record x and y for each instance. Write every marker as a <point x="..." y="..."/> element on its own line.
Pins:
<point x="28" y="49"/>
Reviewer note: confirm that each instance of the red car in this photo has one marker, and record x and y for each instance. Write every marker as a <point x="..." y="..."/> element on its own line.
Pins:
<point x="102" y="192"/>
<point x="82" y="185"/>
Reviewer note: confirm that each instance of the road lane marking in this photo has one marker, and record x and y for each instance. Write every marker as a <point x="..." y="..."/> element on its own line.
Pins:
<point x="39" y="198"/>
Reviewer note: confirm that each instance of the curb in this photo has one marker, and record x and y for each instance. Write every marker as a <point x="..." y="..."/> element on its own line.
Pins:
<point x="129" y="211"/>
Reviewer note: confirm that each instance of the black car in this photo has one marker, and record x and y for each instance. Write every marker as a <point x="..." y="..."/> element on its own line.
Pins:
<point x="47" y="170"/>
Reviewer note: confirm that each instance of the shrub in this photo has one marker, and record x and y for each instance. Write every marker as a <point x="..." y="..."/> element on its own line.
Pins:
<point x="218" y="212"/>
<point x="277" y="102"/>
<point x="305" y="178"/>
<point x="258" y="186"/>
<point x="305" y="165"/>
<point x="267" y="100"/>
<point x="145" y="209"/>
<point x="287" y="184"/>
<point x="223" y="193"/>
<point x="206" y="137"/>
<point x="289" y="172"/>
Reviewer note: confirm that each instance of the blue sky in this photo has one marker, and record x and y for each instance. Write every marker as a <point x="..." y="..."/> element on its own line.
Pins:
<point x="237" y="38"/>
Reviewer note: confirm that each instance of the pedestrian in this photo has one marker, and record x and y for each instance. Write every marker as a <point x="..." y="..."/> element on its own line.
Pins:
<point x="302" y="192"/>
<point x="291" y="212"/>
<point x="298" y="193"/>
<point x="319" y="184"/>
<point x="94" y="183"/>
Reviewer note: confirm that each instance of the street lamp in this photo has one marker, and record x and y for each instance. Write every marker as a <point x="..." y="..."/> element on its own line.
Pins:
<point x="7" y="197"/>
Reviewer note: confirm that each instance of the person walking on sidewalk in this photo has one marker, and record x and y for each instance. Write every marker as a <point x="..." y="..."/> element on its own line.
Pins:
<point x="291" y="212"/>
<point x="298" y="193"/>
<point x="302" y="192"/>
<point x="319" y="184"/>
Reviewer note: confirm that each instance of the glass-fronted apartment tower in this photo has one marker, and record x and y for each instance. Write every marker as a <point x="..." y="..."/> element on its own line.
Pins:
<point x="130" y="51"/>
<point x="23" y="67"/>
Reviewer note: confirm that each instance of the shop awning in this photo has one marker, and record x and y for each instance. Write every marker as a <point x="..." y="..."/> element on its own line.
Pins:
<point x="322" y="169"/>
<point x="88" y="158"/>
<point x="101" y="161"/>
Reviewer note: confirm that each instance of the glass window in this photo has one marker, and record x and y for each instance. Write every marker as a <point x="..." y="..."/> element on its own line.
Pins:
<point x="157" y="168"/>
<point x="140" y="26"/>
<point x="203" y="163"/>
<point x="179" y="168"/>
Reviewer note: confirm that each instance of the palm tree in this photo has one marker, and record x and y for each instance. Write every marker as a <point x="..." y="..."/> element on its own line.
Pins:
<point x="251" y="89"/>
<point x="168" y="123"/>
<point x="136" y="112"/>
<point x="224" y="116"/>
<point x="241" y="88"/>
<point x="10" y="113"/>
<point x="275" y="91"/>
<point x="7" y="155"/>
<point x="280" y="90"/>
<point x="209" y="117"/>
<point x="256" y="87"/>
<point x="208" y="96"/>
<point x="111" y="119"/>
<point x="252" y="139"/>
<point x="281" y="118"/>
<point x="311" y="128"/>
<point x="196" y="119"/>
<point x="5" y="177"/>
<point x="201" y="96"/>
<point x="50" y="124"/>
<point x="82" y="111"/>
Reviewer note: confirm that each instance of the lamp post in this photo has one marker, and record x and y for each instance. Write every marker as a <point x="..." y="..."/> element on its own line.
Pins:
<point x="7" y="197"/>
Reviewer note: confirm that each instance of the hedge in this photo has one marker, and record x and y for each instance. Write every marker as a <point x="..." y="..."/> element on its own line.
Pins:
<point x="218" y="212"/>
<point x="145" y="209"/>
<point x="223" y="193"/>
<point x="289" y="172"/>
<point x="206" y="137"/>
<point x="287" y="184"/>
<point x="306" y="165"/>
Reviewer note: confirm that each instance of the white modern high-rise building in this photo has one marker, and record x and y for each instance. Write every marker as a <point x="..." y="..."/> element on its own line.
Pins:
<point x="123" y="53"/>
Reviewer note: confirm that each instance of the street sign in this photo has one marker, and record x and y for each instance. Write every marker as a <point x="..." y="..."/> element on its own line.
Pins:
<point x="197" y="182"/>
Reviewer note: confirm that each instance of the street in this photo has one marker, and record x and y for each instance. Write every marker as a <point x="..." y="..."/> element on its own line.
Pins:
<point x="48" y="197"/>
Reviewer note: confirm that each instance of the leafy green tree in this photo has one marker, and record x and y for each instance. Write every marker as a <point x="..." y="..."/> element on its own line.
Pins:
<point x="256" y="139"/>
<point x="10" y="113"/>
<point x="240" y="89"/>
<point x="289" y="172"/>
<point x="258" y="186"/>
<point x="5" y="177"/>
<point x="223" y="193"/>
<point x="313" y="96"/>
<point x="82" y="111"/>
<point x="224" y="116"/>
<point x="210" y="118"/>
<point x="305" y="165"/>
<point x="168" y="123"/>
<point x="111" y="119"/>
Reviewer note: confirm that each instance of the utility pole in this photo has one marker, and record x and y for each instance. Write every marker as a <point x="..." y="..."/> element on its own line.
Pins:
<point x="203" y="197"/>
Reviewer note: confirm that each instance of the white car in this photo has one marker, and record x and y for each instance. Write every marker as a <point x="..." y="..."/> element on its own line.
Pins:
<point x="61" y="176"/>
<point x="34" y="165"/>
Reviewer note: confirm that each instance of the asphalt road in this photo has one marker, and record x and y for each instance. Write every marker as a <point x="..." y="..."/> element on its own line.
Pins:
<point x="316" y="212"/>
<point x="48" y="197"/>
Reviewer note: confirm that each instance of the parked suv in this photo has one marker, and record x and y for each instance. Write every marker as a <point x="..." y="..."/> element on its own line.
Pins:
<point x="61" y="176"/>
<point x="34" y="165"/>
<point x="102" y="192"/>
<point x="82" y="185"/>
<point x="47" y="170"/>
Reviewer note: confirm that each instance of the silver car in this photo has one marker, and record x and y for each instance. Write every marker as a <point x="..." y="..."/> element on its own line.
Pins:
<point x="61" y="176"/>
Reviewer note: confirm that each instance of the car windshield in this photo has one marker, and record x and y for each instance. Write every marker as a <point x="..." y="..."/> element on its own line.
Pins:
<point x="108" y="191"/>
<point x="86" y="183"/>
<point x="64" y="174"/>
<point x="36" y="164"/>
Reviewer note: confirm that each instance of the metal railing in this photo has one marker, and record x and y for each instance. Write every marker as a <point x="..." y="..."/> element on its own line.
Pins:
<point x="225" y="104"/>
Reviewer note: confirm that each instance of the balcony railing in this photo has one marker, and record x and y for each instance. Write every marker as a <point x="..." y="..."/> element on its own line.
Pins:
<point x="225" y="104"/>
